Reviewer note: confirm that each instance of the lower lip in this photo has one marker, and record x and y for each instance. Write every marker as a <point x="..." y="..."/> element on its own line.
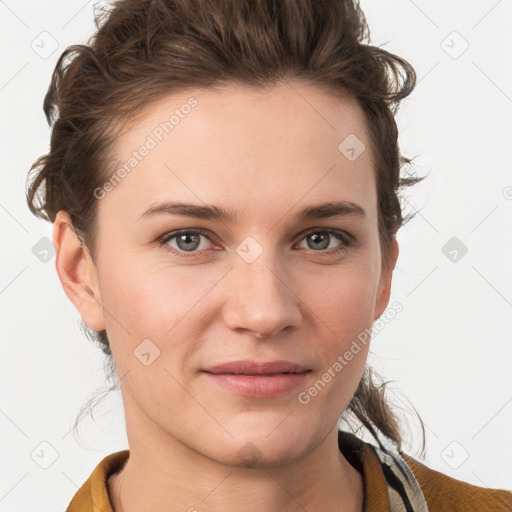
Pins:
<point x="258" y="386"/>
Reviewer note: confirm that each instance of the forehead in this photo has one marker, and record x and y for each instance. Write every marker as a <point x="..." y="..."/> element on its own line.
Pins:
<point x="248" y="149"/>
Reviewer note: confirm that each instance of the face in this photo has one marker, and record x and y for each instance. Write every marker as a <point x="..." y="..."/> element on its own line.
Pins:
<point x="276" y="278"/>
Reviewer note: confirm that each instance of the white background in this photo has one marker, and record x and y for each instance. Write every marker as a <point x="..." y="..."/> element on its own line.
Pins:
<point x="449" y="351"/>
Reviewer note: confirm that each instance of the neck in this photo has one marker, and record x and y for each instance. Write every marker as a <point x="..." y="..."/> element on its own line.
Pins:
<point x="164" y="474"/>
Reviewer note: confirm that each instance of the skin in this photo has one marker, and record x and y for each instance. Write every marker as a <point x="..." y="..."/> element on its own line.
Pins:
<point x="265" y="155"/>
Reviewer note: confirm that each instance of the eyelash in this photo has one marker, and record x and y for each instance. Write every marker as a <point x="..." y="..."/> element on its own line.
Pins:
<point x="345" y="238"/>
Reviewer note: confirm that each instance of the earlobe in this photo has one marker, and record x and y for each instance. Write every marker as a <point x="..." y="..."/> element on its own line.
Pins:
<point x="384" y="291"/>
<point x="77" y="272"/>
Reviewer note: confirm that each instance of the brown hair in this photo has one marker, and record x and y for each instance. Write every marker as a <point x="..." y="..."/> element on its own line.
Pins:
<point x="144" y="50"/>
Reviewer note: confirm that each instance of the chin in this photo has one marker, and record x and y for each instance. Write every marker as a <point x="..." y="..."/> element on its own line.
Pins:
<point x="252" y="455"/>
<point x="270" y="445"/>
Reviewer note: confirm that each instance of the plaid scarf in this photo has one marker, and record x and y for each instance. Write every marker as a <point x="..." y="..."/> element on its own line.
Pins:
<point x="404" y="491"/>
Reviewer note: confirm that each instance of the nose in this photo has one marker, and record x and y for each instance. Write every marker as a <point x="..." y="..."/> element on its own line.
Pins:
<point x="262" y="301"/>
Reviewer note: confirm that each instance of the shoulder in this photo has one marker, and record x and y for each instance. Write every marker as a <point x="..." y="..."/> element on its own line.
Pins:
<point x="444" y="493"/>
<point x="93" y="495"/>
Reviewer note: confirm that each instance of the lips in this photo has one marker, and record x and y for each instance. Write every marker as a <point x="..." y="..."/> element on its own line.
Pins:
<point x="247" y="367"/>
<point x="253" y="379"/>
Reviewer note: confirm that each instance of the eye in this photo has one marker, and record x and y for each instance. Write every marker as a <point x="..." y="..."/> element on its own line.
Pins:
<point x="186" y="241"/>
<point x="321" y="239"/>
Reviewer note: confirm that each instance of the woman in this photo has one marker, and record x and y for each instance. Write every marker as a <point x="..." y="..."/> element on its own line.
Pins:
<point x="251" y="130"/>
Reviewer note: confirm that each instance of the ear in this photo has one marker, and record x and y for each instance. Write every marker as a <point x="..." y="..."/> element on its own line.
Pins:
<point x="77" y="272"/>
<point x="384" y="289"/>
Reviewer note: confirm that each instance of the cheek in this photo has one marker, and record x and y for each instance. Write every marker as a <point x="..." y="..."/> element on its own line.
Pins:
<point x="343" y="300"/>
<point x="342" y="309"/>
<point x="146" y="302"/>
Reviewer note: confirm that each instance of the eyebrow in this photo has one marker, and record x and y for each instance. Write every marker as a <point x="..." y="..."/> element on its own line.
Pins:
<point x="210" y="212"/>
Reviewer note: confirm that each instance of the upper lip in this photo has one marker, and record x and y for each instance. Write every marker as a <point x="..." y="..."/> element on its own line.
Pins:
<point x="257" y="368"/>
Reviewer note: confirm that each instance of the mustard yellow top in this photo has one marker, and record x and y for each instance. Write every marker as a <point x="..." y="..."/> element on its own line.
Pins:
<point x="441" y="493"/>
